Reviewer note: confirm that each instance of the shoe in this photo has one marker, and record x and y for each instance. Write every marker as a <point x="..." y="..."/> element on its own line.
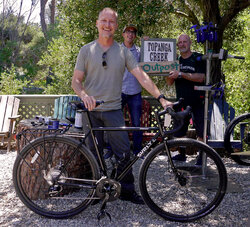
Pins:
<point x="132" y="197"/>
<point x="108" y="154"/>
<point x="95" y="201"/>
<point x="179" y="157"/>
<point x="199" y="160"/>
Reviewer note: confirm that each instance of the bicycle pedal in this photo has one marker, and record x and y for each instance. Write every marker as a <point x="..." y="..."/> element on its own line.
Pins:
<point x="102" y="215"/>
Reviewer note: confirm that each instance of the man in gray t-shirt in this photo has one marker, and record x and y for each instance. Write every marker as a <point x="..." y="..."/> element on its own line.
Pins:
<point x="98" y="75"/>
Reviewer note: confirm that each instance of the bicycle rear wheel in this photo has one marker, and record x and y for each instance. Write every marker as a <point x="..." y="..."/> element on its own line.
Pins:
<point x="199" y="190"/>
<point x="50" y="176"/>
<point x="237" y="139"/>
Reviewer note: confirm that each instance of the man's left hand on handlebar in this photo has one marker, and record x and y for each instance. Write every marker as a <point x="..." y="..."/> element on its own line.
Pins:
<point x="165" y="103"/>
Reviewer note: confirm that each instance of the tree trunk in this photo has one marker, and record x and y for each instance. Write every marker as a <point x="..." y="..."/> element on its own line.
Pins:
<point x="52" y="7"/>
<point x="42" y="17"/>
<point x="211" y="13"/>
<point x="216" y="73"/>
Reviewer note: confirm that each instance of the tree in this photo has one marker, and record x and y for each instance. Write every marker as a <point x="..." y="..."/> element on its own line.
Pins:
<point x="21" y="45"/>
<point x="10" y="10"/>
<point x="237" y="71"/>
<point x="218" y="12"/>
<point x="76" y="19"/>
<point x="11" y="83"/>
<point x="51" y="19"/>
<point x="153" y="18"/>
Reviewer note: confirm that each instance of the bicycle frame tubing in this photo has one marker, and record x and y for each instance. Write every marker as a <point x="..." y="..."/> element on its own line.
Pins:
<point x="160" y="134"/>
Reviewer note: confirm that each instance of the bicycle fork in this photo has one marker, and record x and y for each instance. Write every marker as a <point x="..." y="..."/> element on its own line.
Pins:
<point x="181" y="179"/>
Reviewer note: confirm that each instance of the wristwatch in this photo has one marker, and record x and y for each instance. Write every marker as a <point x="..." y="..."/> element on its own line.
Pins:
<point x="179" y="75"/>
<point x="161" y="96"/>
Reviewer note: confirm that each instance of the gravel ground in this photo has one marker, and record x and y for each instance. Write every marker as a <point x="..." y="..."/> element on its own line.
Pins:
<point x="233" y="211"/>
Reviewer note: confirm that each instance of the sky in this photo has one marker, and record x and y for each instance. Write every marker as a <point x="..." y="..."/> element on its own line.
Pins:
<point x="25" y="8"/>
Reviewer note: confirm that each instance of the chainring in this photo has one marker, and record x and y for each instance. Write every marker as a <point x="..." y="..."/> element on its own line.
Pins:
<point x="110" y="187"/>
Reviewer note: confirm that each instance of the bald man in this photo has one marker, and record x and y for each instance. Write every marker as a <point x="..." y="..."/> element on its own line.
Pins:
<point x="98" y="75"/>
<point x="192" y="73"/>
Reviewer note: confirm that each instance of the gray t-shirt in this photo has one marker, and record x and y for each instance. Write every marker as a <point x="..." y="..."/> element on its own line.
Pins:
<point x="105" y="84"/>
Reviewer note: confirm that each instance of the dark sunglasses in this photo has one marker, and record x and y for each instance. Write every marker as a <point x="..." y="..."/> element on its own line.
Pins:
<point x="130" y="32"/>
<point x="104" y="63"/>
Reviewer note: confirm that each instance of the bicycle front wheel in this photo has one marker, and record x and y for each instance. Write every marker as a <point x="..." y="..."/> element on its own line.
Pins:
<point x="193" y="192"/>
<point x="237" y="139"/>
<point x="55" y="176"/>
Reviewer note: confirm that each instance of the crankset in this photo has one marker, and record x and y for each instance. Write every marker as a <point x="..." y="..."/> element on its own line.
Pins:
<point x="108" y="190"/>
<point x="108" y="186"/>
<point x="103" y="211"/>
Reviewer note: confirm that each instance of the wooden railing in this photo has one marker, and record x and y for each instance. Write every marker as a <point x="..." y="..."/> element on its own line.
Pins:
<point x="34" y="105"/>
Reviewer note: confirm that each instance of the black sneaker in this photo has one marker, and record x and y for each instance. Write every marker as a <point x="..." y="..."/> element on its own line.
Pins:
<point x="108" y="154"/>
<point x="132" y="197"/>
<point x="95" y="201"/>
<point x="199" y="160"/>
<point x="179" y="157"/>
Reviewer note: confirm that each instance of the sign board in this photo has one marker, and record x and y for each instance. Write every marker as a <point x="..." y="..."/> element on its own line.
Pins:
<point x="159" y="68"/>
<point x="158" y="56"/>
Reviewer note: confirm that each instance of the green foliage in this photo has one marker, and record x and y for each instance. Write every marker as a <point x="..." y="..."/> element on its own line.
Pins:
<point x="157" y="19"/>
<point x="11" y="83"/>
<point x="22" y="44"/>
<point x="77" y="20"/>
<point x="61" y="57"/>
<point x="237" y="71"/>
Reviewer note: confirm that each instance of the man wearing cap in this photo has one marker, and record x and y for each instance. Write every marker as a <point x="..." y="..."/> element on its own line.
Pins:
<point x="131" y="88"/>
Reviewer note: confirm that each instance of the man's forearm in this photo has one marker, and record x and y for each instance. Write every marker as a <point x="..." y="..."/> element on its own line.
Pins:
<point x="169" y="81"/>
<point x="148" y="84"/>
<point x="195" y="77"/>
<point x="76" y="84"/>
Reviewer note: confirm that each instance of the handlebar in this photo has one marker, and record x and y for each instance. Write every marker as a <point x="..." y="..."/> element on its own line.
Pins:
<point x="177" y="103"/>
<point x="236" y="57"/>
<point x="178" y="116"/>
<point x="223" y="55"/>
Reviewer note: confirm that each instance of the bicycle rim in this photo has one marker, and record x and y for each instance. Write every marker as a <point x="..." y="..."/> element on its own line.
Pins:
<point x="45" y="176"/>
<point x="237" y="139"/>
<point x="202" y="191"/>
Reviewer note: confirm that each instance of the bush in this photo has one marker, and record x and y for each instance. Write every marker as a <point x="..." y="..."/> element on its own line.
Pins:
<point x="10" y="82"/>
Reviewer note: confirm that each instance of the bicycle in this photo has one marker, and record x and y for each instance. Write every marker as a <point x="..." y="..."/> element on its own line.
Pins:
<point x="237" y="139"/>
<point x="59" y="177"/>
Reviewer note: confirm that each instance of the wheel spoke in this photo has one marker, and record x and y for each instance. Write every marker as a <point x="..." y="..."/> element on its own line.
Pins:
<point x="55" y="177"/>
<point x="189" y="199"/>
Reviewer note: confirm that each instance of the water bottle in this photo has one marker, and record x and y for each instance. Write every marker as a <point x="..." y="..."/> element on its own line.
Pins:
<point x="78" y="119"/>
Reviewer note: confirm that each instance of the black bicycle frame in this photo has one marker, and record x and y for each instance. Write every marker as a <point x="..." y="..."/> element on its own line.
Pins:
<point x="160" y="134"/>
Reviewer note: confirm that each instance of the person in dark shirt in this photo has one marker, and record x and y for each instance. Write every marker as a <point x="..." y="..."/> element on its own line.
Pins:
<point x="192" y="73"/>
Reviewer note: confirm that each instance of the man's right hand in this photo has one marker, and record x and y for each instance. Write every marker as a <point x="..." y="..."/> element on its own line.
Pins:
<point x="89" y="102"/>
<point x="173" y="74"/>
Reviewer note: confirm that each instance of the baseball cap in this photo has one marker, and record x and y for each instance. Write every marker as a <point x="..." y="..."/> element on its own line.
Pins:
<point x="129" y="26"/>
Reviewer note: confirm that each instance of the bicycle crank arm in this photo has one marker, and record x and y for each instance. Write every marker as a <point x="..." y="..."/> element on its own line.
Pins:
<point x="103" y="211"/>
